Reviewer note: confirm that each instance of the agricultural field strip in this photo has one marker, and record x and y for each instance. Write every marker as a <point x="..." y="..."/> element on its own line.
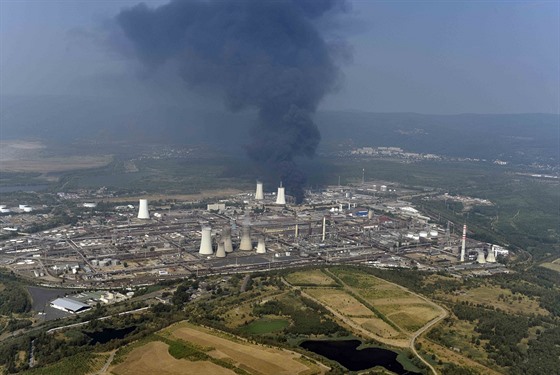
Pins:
<point x="256" y="357"/>
<point x="399" y="343"/>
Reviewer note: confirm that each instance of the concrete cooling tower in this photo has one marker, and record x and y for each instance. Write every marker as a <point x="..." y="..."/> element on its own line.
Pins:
<point x="261" y="247"/>
<point x="259" y="194"/>
<point x="491" y="258"/>
<point x="281" y="197"/>
<point x="226" y="235"/>
<point x="246" y="244"/>
<point x="206" y="242"/>
<point x="480" y="258"/>
<point x="221" y="252"/>
<point x="143" y="210"/>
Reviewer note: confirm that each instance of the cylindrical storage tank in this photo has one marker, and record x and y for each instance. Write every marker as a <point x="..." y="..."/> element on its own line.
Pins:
<point x="383" y="188"/>
<point x="433" y="233"/>
<point x="423" y="234"/>
<point x="221" y="252"/>
<point x="261" y="247"/>
<point x="206" y="242"/>
<point x="370" y="214"/>
<point x="27" y="209"/>
<point x="246" y="244"/>
<point x="143" y="212"/>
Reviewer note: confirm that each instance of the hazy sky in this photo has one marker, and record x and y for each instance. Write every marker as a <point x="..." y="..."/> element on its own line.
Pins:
<point x="419" y="56"/>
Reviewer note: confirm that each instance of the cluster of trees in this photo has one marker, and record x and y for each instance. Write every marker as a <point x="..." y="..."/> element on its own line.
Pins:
<point x="504" y="333"/>
<point x="14" y="298"/>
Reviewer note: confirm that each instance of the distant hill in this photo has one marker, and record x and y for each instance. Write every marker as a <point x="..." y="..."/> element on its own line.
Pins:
<point x="520" y="137"/>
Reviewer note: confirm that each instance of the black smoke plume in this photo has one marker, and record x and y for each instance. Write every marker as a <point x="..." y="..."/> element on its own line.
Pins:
<point x="263" y="54"/>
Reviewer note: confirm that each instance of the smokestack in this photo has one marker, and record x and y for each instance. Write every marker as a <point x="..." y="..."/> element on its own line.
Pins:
<point x="143" y="212"/>
<point x="491" y="257"/>
<point x="221" y="252"/>
<point x="206" y="242"/>
<point x="259" y="195"/>
<point x="228" y="246"/>
<point x="296" y="231"/>
<point x="480" y="257"/>
<point x="246" y="244"/>
<point x="280" y="197"/>
<point x="324" y="228"/>
<point x="464" y="243"/>
<point x="261" y="248"/>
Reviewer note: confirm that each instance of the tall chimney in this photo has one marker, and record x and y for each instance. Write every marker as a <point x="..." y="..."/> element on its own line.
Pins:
<point x="246" y="244"/>
<point x="206" y="242"/>
<point x="324" y="228"/>
<point x="143" y="212"/>
<point x="464" y="243"/>
<point x="280" y="197"/>
<point x="259" y="194"/>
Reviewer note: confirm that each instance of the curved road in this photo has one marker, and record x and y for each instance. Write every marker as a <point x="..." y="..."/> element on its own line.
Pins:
<point x="443" y="314"/>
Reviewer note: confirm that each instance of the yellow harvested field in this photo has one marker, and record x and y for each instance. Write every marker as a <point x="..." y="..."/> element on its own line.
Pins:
<point x="311" y="277"/>
<point x="377" y="327"/>
<point x="341" y="301"/>
<point x="154" y="358"/>
<point x="414" y="317"/>
<point x="552" y="266"/>
<point x="250" y="357"/>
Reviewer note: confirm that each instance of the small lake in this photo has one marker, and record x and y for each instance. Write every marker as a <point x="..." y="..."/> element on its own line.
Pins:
<point x="109" y="334"/>
<point x="346" y="353"/>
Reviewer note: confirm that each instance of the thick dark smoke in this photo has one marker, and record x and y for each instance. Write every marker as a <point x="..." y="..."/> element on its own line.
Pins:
<point x="263" y="54"/>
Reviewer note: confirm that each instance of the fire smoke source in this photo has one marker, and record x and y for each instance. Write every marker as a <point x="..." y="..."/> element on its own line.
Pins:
<point x="263" y="54"/>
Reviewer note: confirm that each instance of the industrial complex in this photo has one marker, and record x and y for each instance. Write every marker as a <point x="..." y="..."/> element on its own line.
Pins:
<point x="140" y="243"/>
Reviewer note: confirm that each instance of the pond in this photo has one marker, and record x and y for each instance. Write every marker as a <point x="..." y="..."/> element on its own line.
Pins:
<point x="346" y="353"/>
<point x="109" y="334"/>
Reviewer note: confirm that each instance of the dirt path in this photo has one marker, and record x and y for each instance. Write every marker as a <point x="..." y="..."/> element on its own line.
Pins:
<point x="393" y="342"/>
<point x="107" y="364"/>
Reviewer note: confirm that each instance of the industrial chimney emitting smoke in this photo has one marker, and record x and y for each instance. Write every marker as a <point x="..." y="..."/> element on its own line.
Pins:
<point x="143" y="212"/>
<point x="246" y="244"/>
<point x="464" y="243"/>
<point x="259" y="194"/>
<point x="261" y="247"/>
<point x="280" y="197"/>
<point x="206" y="242"/>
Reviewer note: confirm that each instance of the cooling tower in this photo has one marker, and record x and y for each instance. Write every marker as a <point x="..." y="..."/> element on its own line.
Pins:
<point x="491" y="258"/>
<point x="143" y="209"/>
<point x="261" y="247"/>
<point x="206" y="242"/>
<point x="259" y="195"/>
<point x="464" y="243"/>
<point x="246" y="244"/>
<point x="228" y="246"/>
<point x="280" y="197"/>
<point x="221" y="252"/>
<point x="480" y="258"/>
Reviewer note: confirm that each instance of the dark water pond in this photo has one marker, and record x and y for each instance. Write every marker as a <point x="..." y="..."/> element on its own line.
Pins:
<point x="346" y="353"/>
<point x="109" y="334"/>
